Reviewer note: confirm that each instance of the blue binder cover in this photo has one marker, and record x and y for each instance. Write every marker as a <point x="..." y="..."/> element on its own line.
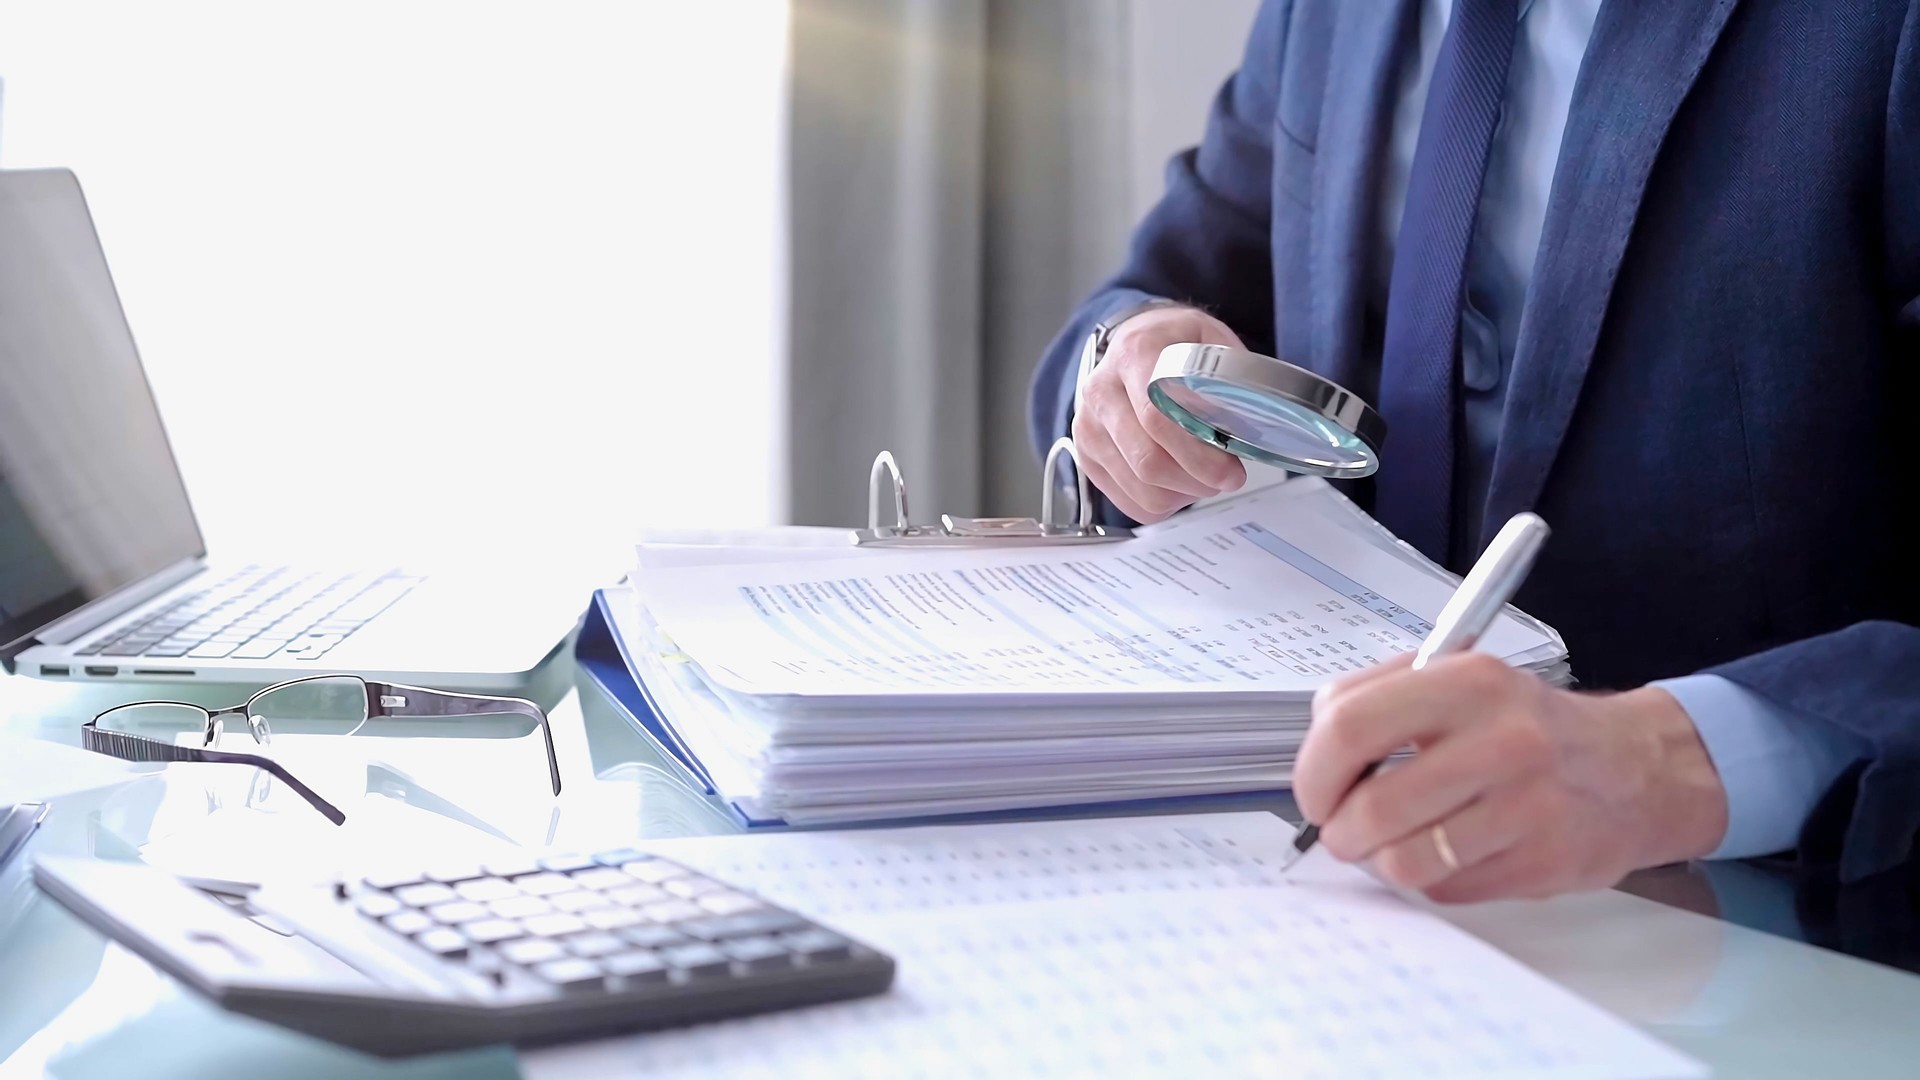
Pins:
<point x="602" y="656"/>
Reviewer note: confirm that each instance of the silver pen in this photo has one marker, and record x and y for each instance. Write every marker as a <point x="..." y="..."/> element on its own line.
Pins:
<point x="1487" y="588"/>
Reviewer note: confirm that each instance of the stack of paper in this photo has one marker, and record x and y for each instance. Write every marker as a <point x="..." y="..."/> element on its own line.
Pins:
<point x="1144" y="947"/>
<point x="827" y="684"/>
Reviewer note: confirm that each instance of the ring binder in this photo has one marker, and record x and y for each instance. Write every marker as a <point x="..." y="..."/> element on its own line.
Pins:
<point x="956" y="531"/>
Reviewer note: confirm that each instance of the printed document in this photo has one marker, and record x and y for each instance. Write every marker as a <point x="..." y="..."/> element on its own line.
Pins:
<point x="1127" y="947"/>
<point x="1273" y="593"/>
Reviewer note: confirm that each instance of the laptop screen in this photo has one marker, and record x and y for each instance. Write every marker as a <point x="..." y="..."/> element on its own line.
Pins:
<point x="90" y="499"/>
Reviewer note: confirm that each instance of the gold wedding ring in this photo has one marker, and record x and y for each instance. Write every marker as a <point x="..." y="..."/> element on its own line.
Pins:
<point x="1445" y="849"/>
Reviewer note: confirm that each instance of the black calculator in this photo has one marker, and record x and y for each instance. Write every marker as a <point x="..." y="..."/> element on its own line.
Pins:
<point x="526" y="951"/>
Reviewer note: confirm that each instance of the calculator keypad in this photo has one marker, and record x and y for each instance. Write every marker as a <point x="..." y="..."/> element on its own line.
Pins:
<point x="606" y="922"/>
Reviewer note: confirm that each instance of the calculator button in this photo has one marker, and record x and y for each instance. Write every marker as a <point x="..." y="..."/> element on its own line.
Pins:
<point x="543" y="884"/>
<point x="484" y="889"/>
<point x="553" y="925"/>
<point x="689" y="887"/>
<point x="620" y="857"/>
<point x="519" y="907"/>
<point x="722" y="927"/>
<point x="653" y="871"/>
<point x="392" y="880"/>
<point x="572" y="974"/>
<point x="453" y="874"/>
<point x="424" y="895"/>
<point x="457" y="912"/>
<point x="510" y="867"/>
<point x="653" y="937"/>
<point x="578" y="901"/>
<point x="566" y="864"/>
<point x="611" y="918"/>
<point x="697" y="959"/>
<point x="530" y="951"/>
<point x="817" y="945"/>
<point x="671" y="911"/>
<point x="757" y="953"/>
<point x="770" y="922"/>
<point x="637" y="895"/>
<point x="450" y="944"/>
<point x="705" y="929"/>
<point x="635" y="967"/>
<point x="594" y="943"/>
<point x="728" y="903"/>
<point x="377" y="905"/>
<point x="408" y="923"/>
<point x="488" y="931"/>
<point x="601" y="877"/>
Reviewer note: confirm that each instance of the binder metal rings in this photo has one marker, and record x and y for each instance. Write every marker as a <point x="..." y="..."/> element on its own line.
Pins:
<point x="954" y="531"/>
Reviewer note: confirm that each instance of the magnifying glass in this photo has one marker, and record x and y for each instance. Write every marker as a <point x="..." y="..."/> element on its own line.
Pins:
<point x="1267" y="410"/>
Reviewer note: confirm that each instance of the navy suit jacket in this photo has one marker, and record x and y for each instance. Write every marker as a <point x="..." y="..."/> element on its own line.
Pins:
<point x="1719" y="352"/>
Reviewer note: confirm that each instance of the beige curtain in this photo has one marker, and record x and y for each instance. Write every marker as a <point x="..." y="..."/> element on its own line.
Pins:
<point x="957" y="185"/>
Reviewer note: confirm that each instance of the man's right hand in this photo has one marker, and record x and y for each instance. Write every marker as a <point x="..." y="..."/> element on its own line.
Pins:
<point x="1147" y="464"/>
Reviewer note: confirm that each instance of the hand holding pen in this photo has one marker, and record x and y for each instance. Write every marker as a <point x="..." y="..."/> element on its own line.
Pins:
<point x="1518" y="788"/>
<point x="1487" y="589"/>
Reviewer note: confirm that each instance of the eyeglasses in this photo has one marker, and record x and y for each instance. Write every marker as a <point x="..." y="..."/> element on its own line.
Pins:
<point x="320" y="704"/>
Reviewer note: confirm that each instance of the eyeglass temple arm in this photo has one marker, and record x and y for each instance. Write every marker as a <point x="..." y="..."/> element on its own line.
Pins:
<point x="398" y="699"/>
<point x="129" y="747"/>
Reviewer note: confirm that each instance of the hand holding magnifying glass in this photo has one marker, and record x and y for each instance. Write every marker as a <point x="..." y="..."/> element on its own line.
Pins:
<point x="1167" y="414"/>
<point x="1137" y="456"/>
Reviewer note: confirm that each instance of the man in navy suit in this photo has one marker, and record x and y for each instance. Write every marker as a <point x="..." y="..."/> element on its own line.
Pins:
<point x="1648" y="267"/>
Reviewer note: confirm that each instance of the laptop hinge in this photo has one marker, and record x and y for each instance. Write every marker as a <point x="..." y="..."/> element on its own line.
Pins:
<point x="84" y="620"/>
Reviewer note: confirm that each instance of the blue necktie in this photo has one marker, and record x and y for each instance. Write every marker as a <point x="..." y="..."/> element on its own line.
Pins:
<point x="1419" y="372"/>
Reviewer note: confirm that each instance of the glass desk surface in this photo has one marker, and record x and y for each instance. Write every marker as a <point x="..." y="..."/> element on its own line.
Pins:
<point x="1709" y="958"/>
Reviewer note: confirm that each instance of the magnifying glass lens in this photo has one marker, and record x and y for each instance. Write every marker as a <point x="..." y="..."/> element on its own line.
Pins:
<point x="1258" y="425"/>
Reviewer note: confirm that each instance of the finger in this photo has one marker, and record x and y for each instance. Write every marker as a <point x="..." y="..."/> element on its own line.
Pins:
<point x="1115" y="494"/>
<point x="1138" y="461"/>
<point x="1209" y="465"/>
<point x="1355" y="727"/>
<point x="1107" y="470"/>
<point x="1151" y="462"/>
<point x="1347" y="683"/>
<point x="1409" y="797"/>
<point x="1111" y="400"/>
<point x="1522" y="871"/>
<point x="1480" y="831"/>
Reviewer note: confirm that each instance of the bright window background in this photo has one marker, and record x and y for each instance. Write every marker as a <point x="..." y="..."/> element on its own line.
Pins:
<point x="415" y="271"/>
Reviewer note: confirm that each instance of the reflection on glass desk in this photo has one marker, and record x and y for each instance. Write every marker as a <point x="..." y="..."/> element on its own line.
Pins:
<point x="1710" y="958"/>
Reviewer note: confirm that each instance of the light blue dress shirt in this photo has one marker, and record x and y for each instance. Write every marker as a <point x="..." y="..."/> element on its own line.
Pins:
<point x="1774" y="764"/>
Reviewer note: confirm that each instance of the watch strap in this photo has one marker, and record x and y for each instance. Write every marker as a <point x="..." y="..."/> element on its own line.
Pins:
<point x="1095" y="349"/>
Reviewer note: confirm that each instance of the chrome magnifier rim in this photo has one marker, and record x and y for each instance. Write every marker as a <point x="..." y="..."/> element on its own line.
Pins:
<point x="1224" y="396"/>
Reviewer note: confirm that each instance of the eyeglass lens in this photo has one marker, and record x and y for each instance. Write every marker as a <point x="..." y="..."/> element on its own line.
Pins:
<point x="161" y="721"/>
<point x="327" y="705"/>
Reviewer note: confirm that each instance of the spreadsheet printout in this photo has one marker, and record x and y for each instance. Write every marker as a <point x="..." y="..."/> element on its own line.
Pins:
<point x="1127" y="947"/>
<point x="1274" y="592"/>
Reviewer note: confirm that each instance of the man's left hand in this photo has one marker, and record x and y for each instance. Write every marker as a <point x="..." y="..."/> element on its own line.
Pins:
<point x="1531" y="790"/>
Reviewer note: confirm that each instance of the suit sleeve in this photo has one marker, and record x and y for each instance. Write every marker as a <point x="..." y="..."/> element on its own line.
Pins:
<point x="1207" y="240"/>
<point x="1865" y="679"/>
<point x="1775" y="766"/>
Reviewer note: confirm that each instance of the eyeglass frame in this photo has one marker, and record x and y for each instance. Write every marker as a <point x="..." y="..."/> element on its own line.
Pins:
<point x="384" y="700"/>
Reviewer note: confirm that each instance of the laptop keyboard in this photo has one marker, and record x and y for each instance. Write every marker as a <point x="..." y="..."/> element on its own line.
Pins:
<point x="260" y="612"/>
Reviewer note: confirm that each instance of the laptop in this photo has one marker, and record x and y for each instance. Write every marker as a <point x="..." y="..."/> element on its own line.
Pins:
<point x="103" y="571"/>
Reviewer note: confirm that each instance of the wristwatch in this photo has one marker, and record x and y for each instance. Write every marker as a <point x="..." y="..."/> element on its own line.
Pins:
<point x="1095" y="349"/>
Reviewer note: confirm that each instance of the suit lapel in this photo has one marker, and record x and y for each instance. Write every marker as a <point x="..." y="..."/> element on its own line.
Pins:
<point x="1370" y="38"/>
<point x="1641" y="62"/>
